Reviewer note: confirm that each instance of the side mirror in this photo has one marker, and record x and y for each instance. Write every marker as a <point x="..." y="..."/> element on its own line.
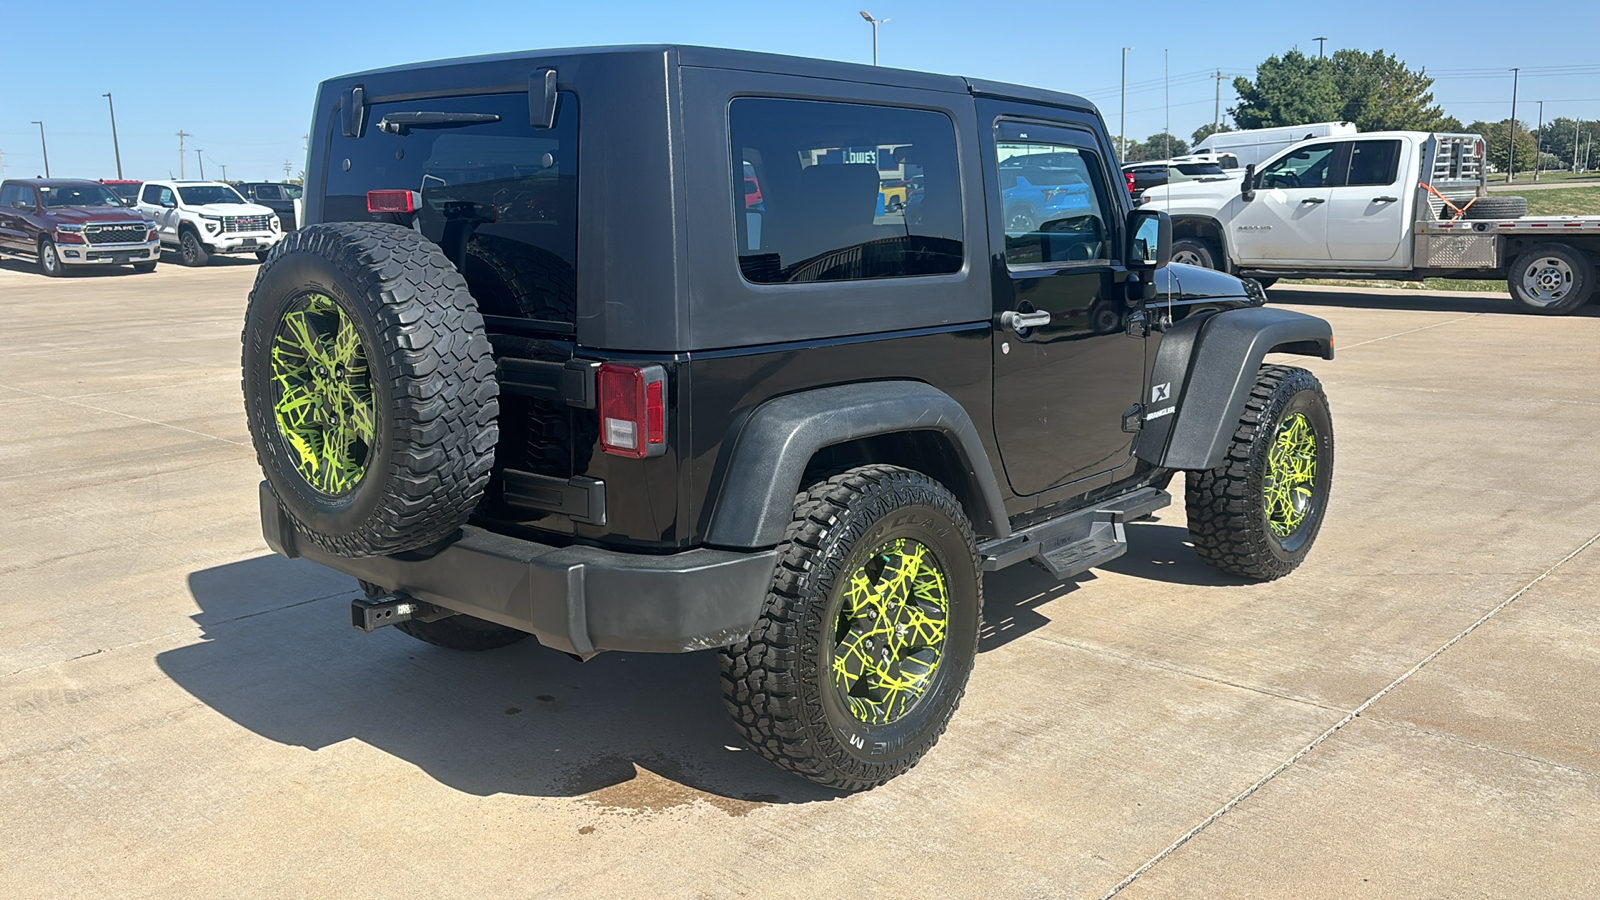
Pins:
<point x="169" y="204"/>
<point x="1149" y="239"/>
<point x="1247" y="187"/>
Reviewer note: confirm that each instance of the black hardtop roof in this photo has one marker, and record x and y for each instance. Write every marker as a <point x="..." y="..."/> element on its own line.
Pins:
<point x="776" y="63"/>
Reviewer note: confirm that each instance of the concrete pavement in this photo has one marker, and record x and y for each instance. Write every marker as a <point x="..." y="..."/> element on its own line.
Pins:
<point x="183" y="714"/>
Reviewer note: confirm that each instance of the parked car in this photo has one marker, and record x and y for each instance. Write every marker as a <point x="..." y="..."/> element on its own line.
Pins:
<point x="201" y="219"/>
<point x="1383" y="205"/>
<point x="1254" y="145"/>
<point x="63" y="223"/>
<point x="1154" y="173"/>
<point x="126" y="191"/>
<point x="542" y="368"/>
<point x="276" y="196"/>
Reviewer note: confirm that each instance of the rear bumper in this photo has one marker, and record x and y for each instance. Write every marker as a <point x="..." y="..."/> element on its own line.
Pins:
<point x="577" y="599"/>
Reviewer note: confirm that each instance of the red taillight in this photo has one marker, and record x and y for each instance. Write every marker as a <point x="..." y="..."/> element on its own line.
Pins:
<point x="1130" y="182"/>
<point x="633" y="410"/>
<point x="393" y="201"/>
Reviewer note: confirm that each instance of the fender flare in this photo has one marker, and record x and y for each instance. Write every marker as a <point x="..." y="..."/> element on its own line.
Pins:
<point x="1222" y="235"/>
<point x="771" y="451"/>
<point x="1204" y="370"/>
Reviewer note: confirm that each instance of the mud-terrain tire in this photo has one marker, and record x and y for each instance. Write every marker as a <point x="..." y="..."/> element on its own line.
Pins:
<point x="458" y="632"/>
<point x="1551" y="279"/>
<point x="873" y="559"/>
<point x="1195" y="252"/>
<point x="511" y="278"/>
<point x="369" y="388"/>
<point x="1496" y="207"/>
<point x="261" y="255"/>
<point x="50" y="259"/>
<point x="1258" y="513"/>
<point x="191" y="252"/>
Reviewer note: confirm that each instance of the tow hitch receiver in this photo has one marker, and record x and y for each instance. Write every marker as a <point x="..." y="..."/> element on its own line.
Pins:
<point x="371" y="613"/>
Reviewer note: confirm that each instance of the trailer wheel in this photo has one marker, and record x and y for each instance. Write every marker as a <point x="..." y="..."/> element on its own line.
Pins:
<point x="1551" y="279"/>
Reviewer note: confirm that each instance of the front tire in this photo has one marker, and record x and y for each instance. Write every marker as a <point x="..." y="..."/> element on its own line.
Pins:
<point x="144" y="267"/>
<point x="49" y="259"/>
<point x="1258" y="513"/>
<point x="1195" y="252"/>
<point x="1551" y="279"/>
<point x="869" y="631"/>
<point x="191" y="252"/>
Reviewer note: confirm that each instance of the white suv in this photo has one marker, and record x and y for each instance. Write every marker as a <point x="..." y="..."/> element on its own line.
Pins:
<point x="202" y="218"/>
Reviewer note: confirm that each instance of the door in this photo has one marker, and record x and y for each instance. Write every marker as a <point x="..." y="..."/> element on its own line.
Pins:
<point x="160" y="203"/>
<point x="10" y="237"/>
<point x="1367" y="210"/>
<point x="1287" y="221"/>
<point x="1065" y="368"/>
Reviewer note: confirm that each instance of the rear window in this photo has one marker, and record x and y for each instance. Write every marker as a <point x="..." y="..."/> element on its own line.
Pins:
<point x="500" y="196"/>
<point x="843" y="192"/>
<point x="1199" y="169"/>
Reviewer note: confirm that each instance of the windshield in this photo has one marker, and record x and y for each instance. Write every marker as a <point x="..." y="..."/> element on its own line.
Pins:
<point x="77" y="195"/>
<point x="200" y="195"/>
<point x="291" y="191"/>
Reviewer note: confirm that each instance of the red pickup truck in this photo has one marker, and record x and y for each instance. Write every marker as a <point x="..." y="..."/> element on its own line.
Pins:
<point x="59" y="223"/>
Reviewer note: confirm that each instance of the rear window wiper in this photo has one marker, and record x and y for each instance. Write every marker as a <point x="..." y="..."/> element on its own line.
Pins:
<point x="402" y="122"/>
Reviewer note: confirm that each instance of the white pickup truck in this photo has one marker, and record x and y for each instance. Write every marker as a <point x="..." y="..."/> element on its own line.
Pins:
<point x="1392" y="205"/>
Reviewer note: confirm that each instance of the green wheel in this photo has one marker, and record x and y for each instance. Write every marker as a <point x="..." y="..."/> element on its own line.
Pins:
<point x="868" y="634"/>
<point x="322" y="400"/>
<point x="369" y="389"/>
<point x="1258" y="513"/>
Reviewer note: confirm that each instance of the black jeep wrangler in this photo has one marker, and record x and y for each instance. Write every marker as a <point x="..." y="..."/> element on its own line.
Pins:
<point x="666" y="348"/>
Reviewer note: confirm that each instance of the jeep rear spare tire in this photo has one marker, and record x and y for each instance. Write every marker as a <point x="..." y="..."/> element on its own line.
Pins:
<point x="369" y="388"/>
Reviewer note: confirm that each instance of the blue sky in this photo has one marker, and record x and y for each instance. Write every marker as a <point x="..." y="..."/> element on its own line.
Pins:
<point x="240" y="77"/>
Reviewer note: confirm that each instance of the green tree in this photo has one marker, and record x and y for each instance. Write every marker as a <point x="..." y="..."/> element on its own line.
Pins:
<point x="1205" y="131"/>
<point x="1499" y="144"/>
<point x="1160" y="146"/>
<point x="1379" y="93"/>
<point x="1293" y="89"/>
<point x="1559" y="133"/>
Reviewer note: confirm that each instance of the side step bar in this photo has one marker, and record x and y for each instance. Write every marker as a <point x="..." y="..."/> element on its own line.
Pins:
<point x="1078" y="541"/>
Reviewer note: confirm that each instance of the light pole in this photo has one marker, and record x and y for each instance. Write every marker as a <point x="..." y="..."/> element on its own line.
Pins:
<point x="42" y="148"/>
<point x="1511" y="158"/>
<point x="181" y="157"/>
<point x="224" y="172"/>
<point x="1122" y="127"/>
<point x="114" y="148"/>
<point x="875" y="23"/>
<point x="1321" y="42"/>
<point x="1538" y="146"/>
<point x="202" y="161"/>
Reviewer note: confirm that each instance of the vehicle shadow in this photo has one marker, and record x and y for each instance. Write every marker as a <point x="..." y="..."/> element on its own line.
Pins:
<point x="1158" y="552"/>
<point x="1411" y="301"/>
<point x="631" y="731"/>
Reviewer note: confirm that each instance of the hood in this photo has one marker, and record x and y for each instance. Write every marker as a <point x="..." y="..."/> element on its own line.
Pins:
<point x="1212" y="193"/>
<point x="1190" y="284"/>
<point x="230" y="209"/>
<point x="80" y="215"/>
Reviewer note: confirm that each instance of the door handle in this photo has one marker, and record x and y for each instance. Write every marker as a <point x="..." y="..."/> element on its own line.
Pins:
<point x="1019" y="321"/>
<point x="1312" y="200"/>
<point x="1385" y="199"/>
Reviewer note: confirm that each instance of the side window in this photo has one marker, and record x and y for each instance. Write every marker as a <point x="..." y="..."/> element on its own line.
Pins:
<point x="151" y="195"/>
<point x="8" y="195"/>
<point x="1374" y="163"/>
<point x="1053" y="200"/>
<point x="167" y="197"/>
<point x="265" y="192"/>
<point x="843" y="192"/>
<point x="1306" y="167"/>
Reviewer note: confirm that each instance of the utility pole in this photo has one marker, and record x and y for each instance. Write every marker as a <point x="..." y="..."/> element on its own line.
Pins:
<point x="224" y="172"/>
<point x="875" y="23"/>
<point x="42" y="148"/>
<point x="114" y="148"/>
<point x="1321" y="42"/>
<point x="1538" y="146"/>
<point x="1216" y="118"/>
<point x="181" y="136"/>
<point x="1166" y="130"/>
<point x="1122" y="139"/>
<point x="1511" y="159"/>
<point x="202" y="161"/>
<point x="286" y="170"/>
